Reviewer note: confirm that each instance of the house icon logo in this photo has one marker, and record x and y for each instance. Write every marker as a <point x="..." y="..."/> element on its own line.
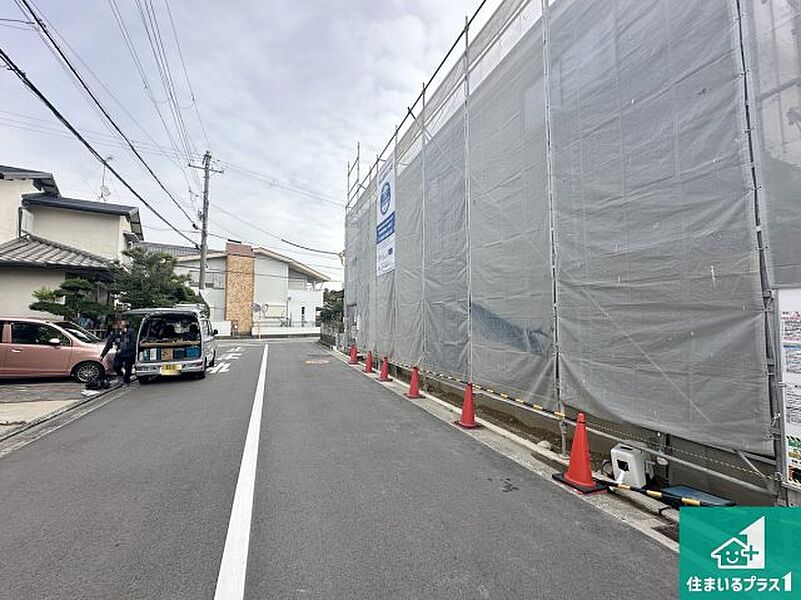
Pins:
<point x="744" y="551"/>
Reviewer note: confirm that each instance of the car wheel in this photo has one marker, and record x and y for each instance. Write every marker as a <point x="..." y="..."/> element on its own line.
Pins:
<point x="87" y="371"/>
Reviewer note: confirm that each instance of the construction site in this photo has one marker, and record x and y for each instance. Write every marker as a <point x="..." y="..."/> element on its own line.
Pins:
<point x="592" y="208"/>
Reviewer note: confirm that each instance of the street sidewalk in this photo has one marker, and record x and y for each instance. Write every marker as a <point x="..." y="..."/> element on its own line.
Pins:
<point x="26" y="402"/>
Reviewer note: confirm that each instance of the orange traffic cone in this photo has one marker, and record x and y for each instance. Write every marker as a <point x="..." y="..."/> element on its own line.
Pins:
<point x="468" y="418"/>
<point x="414" y="385"/>
<point x="579" y="472"/>
<point x="368" y="363"/>
<point x="353" y="358"/>
<point x="384" y="376"/>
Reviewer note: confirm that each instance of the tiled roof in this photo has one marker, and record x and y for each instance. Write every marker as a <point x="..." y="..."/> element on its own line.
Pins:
<point x="31" y="251"/>
<point x="171" y="249"/>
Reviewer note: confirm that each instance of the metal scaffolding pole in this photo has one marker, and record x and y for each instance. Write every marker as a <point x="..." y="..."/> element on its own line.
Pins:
<point x="423" y="225"/>
<point x="467" y="198"/>
<point x="546" y="59"/>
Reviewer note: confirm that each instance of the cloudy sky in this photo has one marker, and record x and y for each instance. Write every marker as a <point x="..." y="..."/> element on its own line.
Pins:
<point x="284" y="91"/>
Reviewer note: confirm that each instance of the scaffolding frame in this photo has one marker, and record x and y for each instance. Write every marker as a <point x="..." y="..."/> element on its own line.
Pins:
<point x="416" y="123"/>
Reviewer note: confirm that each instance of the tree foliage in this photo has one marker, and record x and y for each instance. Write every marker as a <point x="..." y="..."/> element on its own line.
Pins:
<point x="332" y="306"/>
<point x="72" y="298"/>
<point x="150" y="280"/>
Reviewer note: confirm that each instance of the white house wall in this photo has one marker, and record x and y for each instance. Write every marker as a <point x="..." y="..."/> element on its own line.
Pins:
<point x="96" y="233"/>
<point x="214" y="296"/>
<point x="10" y="198"/>
<point x="310" y="299"/>
<point x="17" y="287"/>
<point x="270" y="285"/>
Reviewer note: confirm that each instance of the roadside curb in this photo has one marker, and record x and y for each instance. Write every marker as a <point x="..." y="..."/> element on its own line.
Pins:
<point x="58" y="413"/>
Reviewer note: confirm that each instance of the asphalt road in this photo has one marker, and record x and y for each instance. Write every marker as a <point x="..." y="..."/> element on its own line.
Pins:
<point x="357" y="494"/>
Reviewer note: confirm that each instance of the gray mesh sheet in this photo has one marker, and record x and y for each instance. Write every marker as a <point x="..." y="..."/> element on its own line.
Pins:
<point x="409" y="261"/>
<point x="658" y="292"/>
<point x="445" y="254"/>
<point x="512" y="303"/>
<point x="659" y="298"/>
<point x="773" y="42"/>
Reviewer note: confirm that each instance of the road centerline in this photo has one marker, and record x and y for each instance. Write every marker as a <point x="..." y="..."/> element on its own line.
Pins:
<point x="233" y="566"/>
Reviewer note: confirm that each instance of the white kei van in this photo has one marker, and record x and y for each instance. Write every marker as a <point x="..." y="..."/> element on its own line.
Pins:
<point x="173" y="342"/>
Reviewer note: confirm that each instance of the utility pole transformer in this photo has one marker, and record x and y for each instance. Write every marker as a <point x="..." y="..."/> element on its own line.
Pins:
<point x="204" y="227"/>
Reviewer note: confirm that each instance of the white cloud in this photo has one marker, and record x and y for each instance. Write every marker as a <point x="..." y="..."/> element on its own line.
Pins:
<point x="285" y="89"/>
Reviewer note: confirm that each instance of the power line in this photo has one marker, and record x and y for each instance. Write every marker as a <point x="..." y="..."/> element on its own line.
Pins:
<point x="150" y="22"/>
<point x="163" y="65"/>
<point x="17" y="24"/>
<point x="274" y="182"/>
<point x="186" y="73"/>
<point x="310" y="249"/>
<point x="240" y="272"/>
<point x="105" y="88"/>
<point x="83" y="92"/>
<point x="97" y="102"/>
<point x="250" y="242"/>
<point x="46" y="126"/>
<point x="273" y="235"/>
<point x="104" y="139"/>
<point x="32" y="87"/>
<point x="131" y="47"/>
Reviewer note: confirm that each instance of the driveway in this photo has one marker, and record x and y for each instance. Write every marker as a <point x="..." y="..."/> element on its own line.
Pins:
<point x="25" y="400"/>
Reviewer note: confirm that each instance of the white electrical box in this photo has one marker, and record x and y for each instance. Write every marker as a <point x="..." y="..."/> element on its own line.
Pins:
<point x="630" y="466"/>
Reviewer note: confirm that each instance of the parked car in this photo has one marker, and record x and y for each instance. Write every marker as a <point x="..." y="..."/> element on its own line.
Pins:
<point x="172" y="342"/>
<point x="33" y="347"/>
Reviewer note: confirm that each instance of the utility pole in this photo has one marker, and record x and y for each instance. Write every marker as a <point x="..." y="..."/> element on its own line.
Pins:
<point x="204" y="227"/>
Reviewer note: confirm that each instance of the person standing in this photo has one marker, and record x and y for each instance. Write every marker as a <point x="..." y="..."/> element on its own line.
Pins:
<point x="125" y="339"/>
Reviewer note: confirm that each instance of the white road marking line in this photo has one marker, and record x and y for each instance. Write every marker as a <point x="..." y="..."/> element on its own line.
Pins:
<point x="233" y="567"/>
<point x="220" y="367"/>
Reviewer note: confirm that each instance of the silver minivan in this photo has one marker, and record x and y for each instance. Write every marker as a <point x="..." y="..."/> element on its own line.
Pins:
<point x="173" y="342"/>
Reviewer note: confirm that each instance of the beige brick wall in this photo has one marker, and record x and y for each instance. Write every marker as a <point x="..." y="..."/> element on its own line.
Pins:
<point x="239" y="292"/>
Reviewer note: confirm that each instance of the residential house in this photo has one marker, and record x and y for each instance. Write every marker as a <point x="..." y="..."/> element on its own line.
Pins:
<point x="15" y="183"/>
<point x="46" y="238"/>
<point x="30" y="263"/>
<point x="97" y="227"/>
<point x="253" y="290"/>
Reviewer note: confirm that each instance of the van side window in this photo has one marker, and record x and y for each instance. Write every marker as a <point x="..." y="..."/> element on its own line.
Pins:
<point x="2" y="327"/>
